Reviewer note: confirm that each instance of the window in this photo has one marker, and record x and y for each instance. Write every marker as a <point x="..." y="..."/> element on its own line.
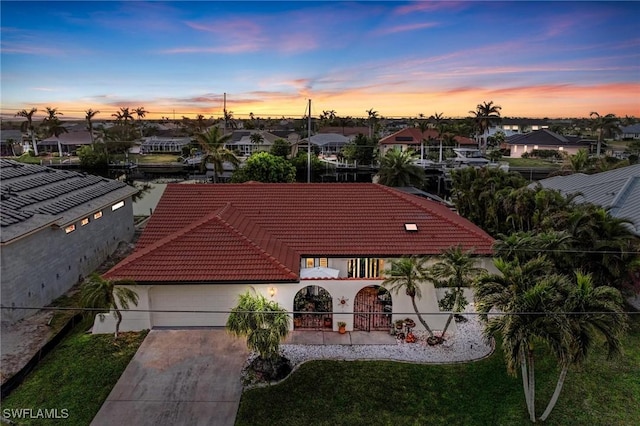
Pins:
<point x="69" y="229"/>
<point x="116" y="206"/>
<point x="84" y="221"/>
<point x="364" y="267"/>
<point x="97" y="215"/>
<point x="312" y="262"/>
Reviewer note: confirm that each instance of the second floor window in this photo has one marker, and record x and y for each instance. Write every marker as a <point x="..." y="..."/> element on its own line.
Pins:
<point x="364" y="267"/>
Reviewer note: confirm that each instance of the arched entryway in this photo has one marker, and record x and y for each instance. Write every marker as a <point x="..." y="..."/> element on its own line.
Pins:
<point x="312" y="305"/>
<point x="372" y="309"/>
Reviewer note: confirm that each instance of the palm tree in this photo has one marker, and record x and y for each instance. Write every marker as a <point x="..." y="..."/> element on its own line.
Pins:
<point x="440" y="124"/>
<point x="525" y="294"/>
<point x="399" y="168"/>
<point x="213" y="146"/>
<point x="53" y="125"/>
<point x="484" y="116"/>
<point x="372" y="116"/>
<point x="456" y="270"/>
<point x="591" y="311"/>
<point x="256" y="139"/>
<point x="27" y="126"/>
<point x="263" y="322"/>
<point x="604" y="124"/>
<point x="409" y="273"/>
<point x="89" y="116"/>
<point x="140" y="112"/>
<point x="423" y="125"/>
<point x="99" y="293"/>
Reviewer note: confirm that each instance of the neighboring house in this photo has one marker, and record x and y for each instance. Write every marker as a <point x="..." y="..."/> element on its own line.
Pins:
<point x="412" y="138"/>
<point x="545" y="139"/>
<point x="57" y="226"/>
<point x="162" y="144"/>
<point x="618" y="190"/>
<point x="629" y="132"/>
<point x="241" y="141"/>
<point x="346" y="131"/>
<point x="328" y="144"/>
<point x="514" y="126"/>
<point x="6" y="147"/>
<point x="66" y="143"/>
<point x="206" y="244"/>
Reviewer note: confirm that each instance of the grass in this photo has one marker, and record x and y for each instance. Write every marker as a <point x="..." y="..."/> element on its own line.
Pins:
<point x="601" y="392"/>
<point x="154" y="158"/>
<point x="77" y="375"/>
<point x="530" y="162"/>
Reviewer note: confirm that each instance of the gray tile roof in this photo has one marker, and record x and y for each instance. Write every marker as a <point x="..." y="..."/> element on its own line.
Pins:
<point x="617" y="189"/>
<point x="35" y="196"/>
<point x="546" y="137"/>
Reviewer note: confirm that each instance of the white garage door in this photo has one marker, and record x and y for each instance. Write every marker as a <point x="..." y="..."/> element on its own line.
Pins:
<point x="192" y="298"/>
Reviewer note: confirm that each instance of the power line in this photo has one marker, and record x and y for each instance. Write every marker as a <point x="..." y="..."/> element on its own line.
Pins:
<point x="200" y="311"/>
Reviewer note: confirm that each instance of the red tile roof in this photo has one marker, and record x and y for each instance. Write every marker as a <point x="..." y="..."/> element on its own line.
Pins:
<point x="417" y="136"/>
<point x="258" y="232"/>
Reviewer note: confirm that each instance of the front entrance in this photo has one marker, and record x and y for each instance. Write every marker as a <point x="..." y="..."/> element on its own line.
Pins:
<point x="372" y="309"/>
<point x="312" y="305"/>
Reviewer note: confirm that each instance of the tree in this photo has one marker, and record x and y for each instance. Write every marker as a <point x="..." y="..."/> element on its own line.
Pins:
<point x="215" y="153"/>
<point x="485" y="115"/>
<point x="94" y="156"/>
<point x="265" y="167"/>
<point x="399" y="168"/>
<point x="372" y="117"/>
<point x="361" y="150"/>
<point x="440" y="125"/>
<point x="281" y="148"/>
<point x="53" y="126"/>
<point x="409" y="273"/>
<point x="89" y="116"/>
<point x="456" y="270"/>
<point x="27" y="126"/>
<point x="256" y="140"/>
<point x="526" y="294"/>
<point x="604" y="124"/>
<point x="265" y="324"/>
<point x="590" y="311"/>
<point x="140" y="112"/>
<point x="100" y="293"/>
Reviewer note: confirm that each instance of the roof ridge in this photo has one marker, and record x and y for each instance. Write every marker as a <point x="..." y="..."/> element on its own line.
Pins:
<point x="161" y="242"/>
<point x="407" y="198"/>
<point x="229" y="209"/>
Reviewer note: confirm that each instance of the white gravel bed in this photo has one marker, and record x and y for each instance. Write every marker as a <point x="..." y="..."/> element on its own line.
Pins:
<point x="467" y="344"/>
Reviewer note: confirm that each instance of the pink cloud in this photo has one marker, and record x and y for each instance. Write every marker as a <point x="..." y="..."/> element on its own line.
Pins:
<point x="429" y="6"/>
<point x="408" y="27"/>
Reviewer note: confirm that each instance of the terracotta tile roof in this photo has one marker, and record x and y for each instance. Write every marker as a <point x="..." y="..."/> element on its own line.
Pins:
<point x="412" y="135"/>
<point x="256" y="231"/>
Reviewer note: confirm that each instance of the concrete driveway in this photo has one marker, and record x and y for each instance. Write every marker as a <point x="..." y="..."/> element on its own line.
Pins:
<point x="179" y="377"/>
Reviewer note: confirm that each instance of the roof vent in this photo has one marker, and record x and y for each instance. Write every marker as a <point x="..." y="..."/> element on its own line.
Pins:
<point x="411" y="227"/>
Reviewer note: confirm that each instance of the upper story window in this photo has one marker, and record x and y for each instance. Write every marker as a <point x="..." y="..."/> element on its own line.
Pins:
<point x="84" y="221"/>
<point x="116" y="206"/>
<point x="312" y="262"/>
<point x="365" y="267"/>
<point x="70" y="229"/>
<point x="97" y="215"/>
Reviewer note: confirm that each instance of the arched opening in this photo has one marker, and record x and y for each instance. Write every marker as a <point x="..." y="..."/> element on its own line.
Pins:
<point x="312" y="305"/>
<point x="372" y="309"/>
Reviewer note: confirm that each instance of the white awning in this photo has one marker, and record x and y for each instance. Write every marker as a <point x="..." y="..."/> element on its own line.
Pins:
<point x="319" y="272"/>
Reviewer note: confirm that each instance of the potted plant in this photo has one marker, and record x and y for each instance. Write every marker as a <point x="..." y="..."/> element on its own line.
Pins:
<point x="327" y="322"/>
<point x="342" y="327"/>
<point x="399" y="324"/>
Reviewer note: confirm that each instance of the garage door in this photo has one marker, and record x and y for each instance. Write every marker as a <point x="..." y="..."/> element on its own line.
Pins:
<point x="192" y="299"/>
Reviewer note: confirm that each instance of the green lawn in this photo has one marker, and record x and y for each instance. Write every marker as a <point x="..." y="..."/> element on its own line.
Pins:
<point x="530" y="162"/>
<point x="602" y="392"/>
<point x="77" y="375"/>
<point x="153" y="158"/>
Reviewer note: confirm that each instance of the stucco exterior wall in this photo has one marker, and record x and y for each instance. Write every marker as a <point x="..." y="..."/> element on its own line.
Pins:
<point x="41" y="267"/>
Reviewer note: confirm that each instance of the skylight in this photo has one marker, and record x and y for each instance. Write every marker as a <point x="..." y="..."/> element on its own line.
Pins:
<point x="411" y="227"/>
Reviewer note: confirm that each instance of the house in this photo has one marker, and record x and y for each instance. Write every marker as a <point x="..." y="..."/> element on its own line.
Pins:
<point x="617" y="189"/>
<point x="164" y="144"/>
<point x="328" y="144"/>
<point x="11" y="143"/>
<point x="413" y="138"/>
<point x="57" y="226"/>
<point x="545" y="139"/>
<point x="514" y="126"/>
<point x="629" y="132"/>
<point x="241" y="141"/>
<point x="65" y="143"/>
<point x="310" y="247"/>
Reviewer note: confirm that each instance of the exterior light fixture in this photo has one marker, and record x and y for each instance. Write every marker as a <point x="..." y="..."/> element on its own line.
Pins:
<point x="272" y="291"/>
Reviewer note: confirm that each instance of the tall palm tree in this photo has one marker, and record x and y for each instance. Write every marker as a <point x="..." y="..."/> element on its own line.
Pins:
<point x="89" y="116"/>
<point x="525" y="294"/>
<point x="409" y="273"/>
<point x="456" y="270"/>
<point x="590" y="311"/>
<point x="423" y="125"/>
<point x="215" y="152"/>
<point x="53" y="126"/>
<point x="440" y="123"/>
<point x="372" y="116"/>
<point x="27" y="126"/>
<point x="100" y="293"/>
<point x="263" y="322"/>
<point x="485" y="115"/>
<point x="140" y="113"/>
<point x="604" y="124"/>
<point x="399" y="168"/>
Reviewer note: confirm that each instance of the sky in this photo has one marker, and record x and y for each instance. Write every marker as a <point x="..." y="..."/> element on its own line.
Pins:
<point x="402" y="59"/>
